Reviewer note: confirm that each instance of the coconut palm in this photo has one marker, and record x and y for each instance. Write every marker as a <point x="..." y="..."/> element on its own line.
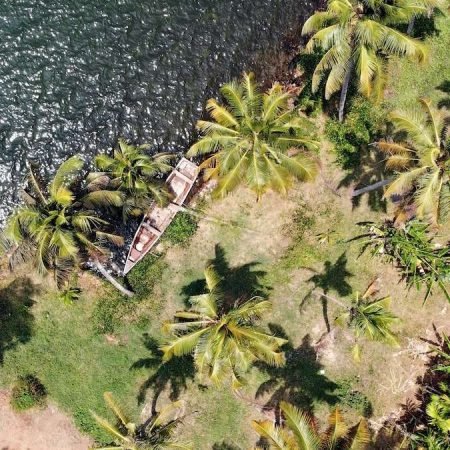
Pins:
<point x="135" y="173"/>
<point x="255" y="138"/>
<point x="222" y="334"/>
<point x="355" y="36"/>
<point x="370" y="319"/>
<point x="57" y="230"/>
<point x="156" y="433"/>
<point x="420" y="156"/>
<point x="298" y="431"/>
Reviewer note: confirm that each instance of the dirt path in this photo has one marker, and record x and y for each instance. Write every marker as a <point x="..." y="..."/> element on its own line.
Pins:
<point x="47" y="429"/>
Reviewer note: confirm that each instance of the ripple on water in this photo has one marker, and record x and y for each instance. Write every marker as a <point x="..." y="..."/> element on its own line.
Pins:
<point x="76" y="74"/>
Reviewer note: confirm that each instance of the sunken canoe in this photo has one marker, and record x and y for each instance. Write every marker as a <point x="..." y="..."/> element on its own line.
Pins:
<point x="155" y="222"/>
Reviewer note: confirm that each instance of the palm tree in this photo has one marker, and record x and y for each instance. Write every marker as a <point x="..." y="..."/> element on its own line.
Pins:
<point x="156" y="433"/>
<point x="257" y="138"/>
<point x="421" y="158"/>
<point x="355" y="37"/>
<point x="57" y="230"/>
<point x="222" y="334"/>
<point x="298" y="431"/>
<point x="370" y="319"/>
<point x="131" y="171"/>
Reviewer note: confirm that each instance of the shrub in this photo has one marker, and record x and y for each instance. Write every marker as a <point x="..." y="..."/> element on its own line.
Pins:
<point x="352" y="398"/>
<point x="144" y="276"/>
<point x="308" y="102"/>
<point x="28" y="392"/>
<point x="353" y="135"/>
<point x="182" y="228"/>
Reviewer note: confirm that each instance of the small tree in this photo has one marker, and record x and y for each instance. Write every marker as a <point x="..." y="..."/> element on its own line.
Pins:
<point x="255" y="138"/>
<point x="370" y="319"/>
<point x="134" y="173"/>
<point x="298" y="431"/>
<point x="156" y="433"/>
<point x="222" y="334"/>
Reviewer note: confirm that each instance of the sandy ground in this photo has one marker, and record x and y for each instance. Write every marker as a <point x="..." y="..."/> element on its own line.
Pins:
<point x="46" y="429"/>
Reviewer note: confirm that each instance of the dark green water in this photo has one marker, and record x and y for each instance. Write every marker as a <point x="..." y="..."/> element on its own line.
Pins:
<point x="76" y="74"/>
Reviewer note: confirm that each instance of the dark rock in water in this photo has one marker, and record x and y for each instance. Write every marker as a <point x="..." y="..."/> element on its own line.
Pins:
<point x="77" y="74"/>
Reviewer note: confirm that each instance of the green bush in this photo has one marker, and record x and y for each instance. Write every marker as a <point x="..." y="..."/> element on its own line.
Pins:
<point x="28" y="392"/>
<point x="352" y="136"/>
<point x="352" y="398"/>
<point x="144" y="276"/>
<point x="308" y="102"/>
<point x="182" y="228"/>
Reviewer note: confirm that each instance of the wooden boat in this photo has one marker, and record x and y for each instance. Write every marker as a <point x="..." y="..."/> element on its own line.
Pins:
<point x="155" y="222"/>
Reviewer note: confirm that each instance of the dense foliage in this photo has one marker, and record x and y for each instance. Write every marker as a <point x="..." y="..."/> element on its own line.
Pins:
<point x="352" y="137"/>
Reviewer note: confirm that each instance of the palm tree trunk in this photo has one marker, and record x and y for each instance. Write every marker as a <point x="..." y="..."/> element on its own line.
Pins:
<point x="411" y="25"/>
<point x="372" y="187"/>
<point x="344" y="90"/>
<point x="111" y="279"/>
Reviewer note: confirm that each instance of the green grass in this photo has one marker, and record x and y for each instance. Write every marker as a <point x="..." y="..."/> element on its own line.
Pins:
<point x="75" y="363"/>
<point x="409" y="80"/>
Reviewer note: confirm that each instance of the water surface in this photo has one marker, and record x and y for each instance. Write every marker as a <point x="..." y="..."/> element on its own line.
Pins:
<point x="77" y="74"/>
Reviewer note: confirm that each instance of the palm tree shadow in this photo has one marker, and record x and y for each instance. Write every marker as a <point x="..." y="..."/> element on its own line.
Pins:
<point x="16" y="319"/>
<point x="369" y="171"/>
<point x="333" y="277"/>
<point x="445" y="88"/>
<point x="301" y="381"/>
<point x="174" y="373"/>
<point x="238" y="283"/>
<point x="225" y="445"/>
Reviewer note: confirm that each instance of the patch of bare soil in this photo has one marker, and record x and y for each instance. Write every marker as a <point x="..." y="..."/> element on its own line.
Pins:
<point x="39" y="429"/>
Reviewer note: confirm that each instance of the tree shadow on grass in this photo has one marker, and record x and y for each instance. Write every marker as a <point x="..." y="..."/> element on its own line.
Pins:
<point x="238" y="283"/>
<point x="445" y="88"/>
<point x="173" y="374"/>
<point x="225" y="445"/>
<point x="371" y="170"/>
<point x="16" y="319"/>
<point x="300" y="382"/>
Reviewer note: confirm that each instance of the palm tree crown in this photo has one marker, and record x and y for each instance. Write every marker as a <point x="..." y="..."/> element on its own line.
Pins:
<point x="131" y="171"/>
<point x="420" y="155"/>
<point x="224" y="340"/>
<point x="299" y="432"/>
<point x="156" y="433"/>
<point x="354" y="35"/>
<point x="371" y="319"/>
<point x="256" y="138"/>
<point x="54" y="228"/>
